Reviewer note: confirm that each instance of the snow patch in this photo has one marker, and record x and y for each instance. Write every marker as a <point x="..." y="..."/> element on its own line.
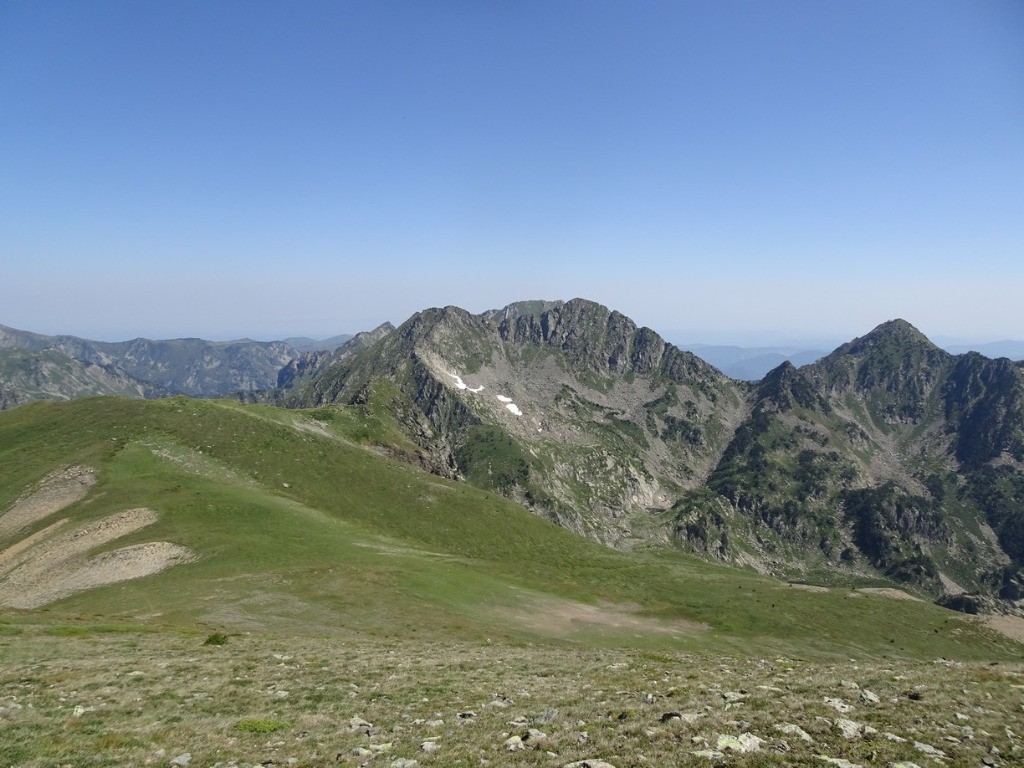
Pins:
<point x="460" y="384"/>
<point x="514" y="409"/>
<point x="504" y="399"/>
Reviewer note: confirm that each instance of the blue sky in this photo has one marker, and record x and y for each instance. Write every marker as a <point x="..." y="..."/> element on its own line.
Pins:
<point x="719" y="171"/>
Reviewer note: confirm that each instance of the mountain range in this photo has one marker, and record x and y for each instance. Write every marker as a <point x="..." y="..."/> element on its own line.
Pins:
<point x="887" y="461"/>
<point x="754" y="363"/>
<point x="34" y="366"/>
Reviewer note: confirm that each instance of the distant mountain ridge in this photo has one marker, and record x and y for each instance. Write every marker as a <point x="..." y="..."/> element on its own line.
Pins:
<point x="754" y="363"/>
<point x="887" y="458"/>
<point x="36" y="366"/>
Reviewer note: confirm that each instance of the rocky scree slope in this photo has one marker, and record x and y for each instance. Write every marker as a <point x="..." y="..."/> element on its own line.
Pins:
<point x="888" y="460"/>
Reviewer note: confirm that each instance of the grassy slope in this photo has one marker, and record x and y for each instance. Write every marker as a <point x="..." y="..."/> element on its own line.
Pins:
<point x="301" y="531"/>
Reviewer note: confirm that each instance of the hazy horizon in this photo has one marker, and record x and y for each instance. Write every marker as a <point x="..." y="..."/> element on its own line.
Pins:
<point x="685" y="338"/>
<point x="726" y="172"/>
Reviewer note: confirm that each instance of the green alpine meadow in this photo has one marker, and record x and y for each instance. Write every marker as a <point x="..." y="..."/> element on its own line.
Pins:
<point x="221" y="583"/>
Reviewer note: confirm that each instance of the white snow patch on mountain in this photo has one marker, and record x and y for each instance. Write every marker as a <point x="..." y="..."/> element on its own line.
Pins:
<point x="504" y="399"/>
<point x="514" y="408"/>
<point x="462" y="385"/>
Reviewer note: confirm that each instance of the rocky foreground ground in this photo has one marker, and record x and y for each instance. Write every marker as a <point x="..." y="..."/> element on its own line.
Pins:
<point x="82" y="697"/>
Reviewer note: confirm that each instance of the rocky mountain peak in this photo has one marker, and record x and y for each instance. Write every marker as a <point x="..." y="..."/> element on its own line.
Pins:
<point x="895" y="366"/>
<point x="896" y="332"/>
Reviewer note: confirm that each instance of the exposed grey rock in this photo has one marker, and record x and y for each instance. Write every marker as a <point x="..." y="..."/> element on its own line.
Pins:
<point x="837" y="704"/>
<point x="358" y="724"/>
<point x="839" y="762"/>
<point x="182" y="760"/>
<point x="745" y="742"/>
<point x="849" y="728"/>
<point x="514" y="743"/>
<point x="589" y="764"/>
<point x="928" y="749"/>
<point x="794" y="730"/>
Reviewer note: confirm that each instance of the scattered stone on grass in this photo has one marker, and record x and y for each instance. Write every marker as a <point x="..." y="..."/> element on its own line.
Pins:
<point x="358" y="724"/>
<point x="794" y="730"/>
<point x="928" y="749"/>
<point x="837" y="704"/>
<point x="745" y="742"/>
<point x="849" y="728"/>
<point x="839" y="762"/>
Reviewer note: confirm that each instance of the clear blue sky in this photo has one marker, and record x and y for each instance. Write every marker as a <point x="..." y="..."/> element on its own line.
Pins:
<point x="715" y="170"/>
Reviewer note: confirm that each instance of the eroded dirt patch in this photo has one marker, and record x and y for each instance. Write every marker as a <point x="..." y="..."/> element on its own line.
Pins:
<point x="54" y="492"/>
<point x="1008" y="626"/>
<point x="557" y="617"/>
<point x="895" y="594"/>
<point x="47" y="567"/>
<point x="807" y="587"/>
<point x="9" y="558"/>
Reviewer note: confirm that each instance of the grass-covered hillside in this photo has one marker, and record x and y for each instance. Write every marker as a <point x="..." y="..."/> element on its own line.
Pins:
<point x="293" y="521"/>
<point x="206" y="583"/>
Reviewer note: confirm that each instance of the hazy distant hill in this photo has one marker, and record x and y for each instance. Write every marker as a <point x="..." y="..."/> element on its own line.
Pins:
<point x="182" y="366"/>
<point x="51" y="375"/>
<point x="1014" y="350"/>
<point x="307" y="344"/>
<point x="752" y="363"/>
